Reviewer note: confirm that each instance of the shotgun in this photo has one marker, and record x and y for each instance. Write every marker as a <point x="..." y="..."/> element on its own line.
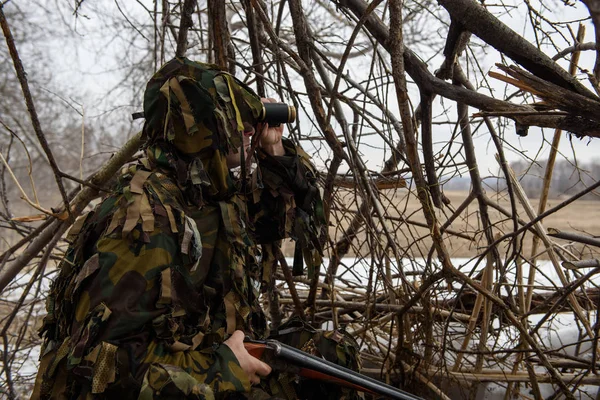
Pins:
<point x="286" y="358"/>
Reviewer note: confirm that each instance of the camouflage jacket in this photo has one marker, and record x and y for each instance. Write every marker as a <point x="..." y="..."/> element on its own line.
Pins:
<point x="152" y="283"/>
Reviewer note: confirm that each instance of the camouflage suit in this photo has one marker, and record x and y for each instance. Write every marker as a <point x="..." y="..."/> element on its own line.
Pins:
<point x="165" y="267"/>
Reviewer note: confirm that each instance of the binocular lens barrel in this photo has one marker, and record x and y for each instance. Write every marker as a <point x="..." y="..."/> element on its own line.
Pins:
<point x="278" y="113"/>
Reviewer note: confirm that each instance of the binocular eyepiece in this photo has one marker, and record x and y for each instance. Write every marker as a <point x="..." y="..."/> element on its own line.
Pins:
<point x="276" y="114"/>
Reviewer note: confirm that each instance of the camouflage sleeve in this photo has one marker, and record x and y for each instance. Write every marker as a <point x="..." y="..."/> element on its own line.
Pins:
<point x="194" y="375"/>
<point x="289" y="204"/>
<point x="288" y="186"/>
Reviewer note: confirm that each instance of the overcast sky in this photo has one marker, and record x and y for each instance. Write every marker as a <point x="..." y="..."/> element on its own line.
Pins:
<point x="86" y="59"/>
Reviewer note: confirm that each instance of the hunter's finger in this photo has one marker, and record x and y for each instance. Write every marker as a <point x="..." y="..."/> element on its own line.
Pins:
<point x="254" y="379"/>
<point x="262" y="368"/>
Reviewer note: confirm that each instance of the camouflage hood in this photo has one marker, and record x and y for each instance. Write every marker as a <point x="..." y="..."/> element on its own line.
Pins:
<point x="200" y="111"/>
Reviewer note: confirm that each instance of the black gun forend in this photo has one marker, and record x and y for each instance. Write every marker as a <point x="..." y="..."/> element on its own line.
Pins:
<point x="283" y="357"/>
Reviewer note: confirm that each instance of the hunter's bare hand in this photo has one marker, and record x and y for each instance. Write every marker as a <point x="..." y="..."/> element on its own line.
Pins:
<point x="252" y="366"/>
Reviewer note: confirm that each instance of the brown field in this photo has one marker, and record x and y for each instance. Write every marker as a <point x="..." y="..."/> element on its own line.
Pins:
<point x="582" y="216"/>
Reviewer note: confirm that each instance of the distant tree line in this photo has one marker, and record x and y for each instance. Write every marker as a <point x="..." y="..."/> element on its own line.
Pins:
<point x="568" y="177"/>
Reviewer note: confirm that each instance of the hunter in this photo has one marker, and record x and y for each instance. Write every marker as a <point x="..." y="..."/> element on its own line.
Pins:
<point x="161" y="281"/>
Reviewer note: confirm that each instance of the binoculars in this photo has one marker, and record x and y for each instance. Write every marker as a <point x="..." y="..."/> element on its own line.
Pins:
<point x="276" y="114"/>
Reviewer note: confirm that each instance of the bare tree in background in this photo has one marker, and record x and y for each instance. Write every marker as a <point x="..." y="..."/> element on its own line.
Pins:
<point x="445" y="292"/>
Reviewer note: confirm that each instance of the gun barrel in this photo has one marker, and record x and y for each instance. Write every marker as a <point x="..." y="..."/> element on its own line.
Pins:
<point x="310" y="365"/>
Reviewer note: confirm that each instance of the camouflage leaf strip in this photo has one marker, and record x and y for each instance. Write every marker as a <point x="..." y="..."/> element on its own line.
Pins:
<point x="178" y="346"/>
<point x="92" y="356"/>
<point x="61" y="353"/>
<point x="77" y="225"/>
<point x="104" y="368"/>
<point x="226" y="113"/>
<point x="137" y="183"/>
<point x="186" y="110"/>
<point x="222" y="89"/>
<point x="229" y="301"/>
<point x="194" y="240"/>
<point x="165" y="287"/>
<point x="115" y="221"/>
<point x="147" y="215"/>
<point x="238" y="117"/>
<point x="197" y="339"/>
<point x="187" y="236"/>
<point x="232" y="222"/>
<point x="224" y="122"/>
<point x="198" y="173"/>
<point x="171" y="218"/>
<point x="146" y="163"/>
<point x="133" y="215"/>
<point x="165" y="90"/>
<point x="90" y="266"/>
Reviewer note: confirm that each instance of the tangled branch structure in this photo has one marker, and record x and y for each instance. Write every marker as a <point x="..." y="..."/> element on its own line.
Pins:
<point x="448" y="295"/>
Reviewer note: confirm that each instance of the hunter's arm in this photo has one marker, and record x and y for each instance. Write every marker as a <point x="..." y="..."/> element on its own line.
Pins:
<point x="286" y="202"/>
